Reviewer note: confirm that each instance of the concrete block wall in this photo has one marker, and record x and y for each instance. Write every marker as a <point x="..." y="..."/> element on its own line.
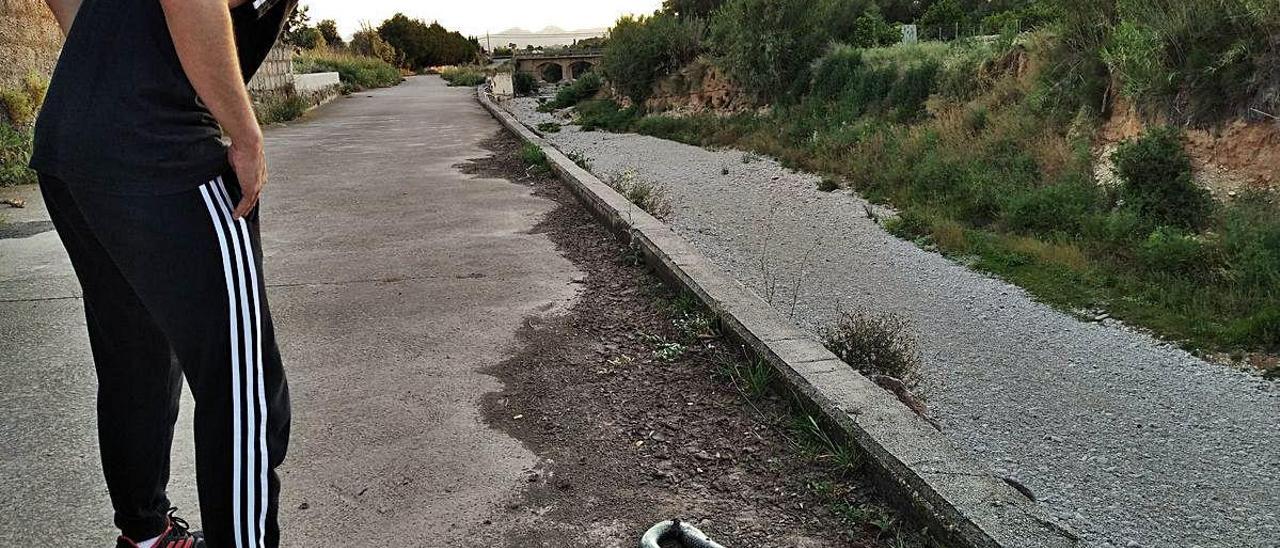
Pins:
<point x="276" y="73"/>
<point x="30" y="41"/>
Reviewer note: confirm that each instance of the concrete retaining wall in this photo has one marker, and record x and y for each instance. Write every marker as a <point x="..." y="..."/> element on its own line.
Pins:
<point x="319" y="82"/>
<point x="913" y="463"/>
<point x="30" y="41"/>
<point x="276" y="73"/>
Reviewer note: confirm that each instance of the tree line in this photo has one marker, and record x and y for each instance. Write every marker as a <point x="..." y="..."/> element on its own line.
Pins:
<point x="404" y="41"/>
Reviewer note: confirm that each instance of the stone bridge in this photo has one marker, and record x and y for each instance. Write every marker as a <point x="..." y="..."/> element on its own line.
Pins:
<point x="556" y="67"/>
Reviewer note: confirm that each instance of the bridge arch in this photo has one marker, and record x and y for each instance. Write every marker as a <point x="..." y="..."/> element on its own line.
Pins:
<point x="578" y="69"/>
<point x="551" y="72"/>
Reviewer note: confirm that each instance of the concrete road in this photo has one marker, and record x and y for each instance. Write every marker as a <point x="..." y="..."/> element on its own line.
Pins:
<point x="394" y="280"/>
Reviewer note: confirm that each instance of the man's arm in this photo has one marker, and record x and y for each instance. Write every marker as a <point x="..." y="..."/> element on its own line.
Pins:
<point x="65" y="12"/>
<point x="204" y="39"/>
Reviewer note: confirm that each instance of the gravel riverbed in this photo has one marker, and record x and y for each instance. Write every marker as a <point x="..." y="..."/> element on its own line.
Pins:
<point x="1129" y="441"/>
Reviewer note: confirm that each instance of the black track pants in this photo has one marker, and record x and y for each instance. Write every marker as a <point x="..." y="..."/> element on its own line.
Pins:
<point x="175" y="276"/>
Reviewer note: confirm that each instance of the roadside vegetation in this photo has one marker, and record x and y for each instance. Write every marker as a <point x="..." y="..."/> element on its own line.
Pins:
<point x="464" y="76"/>
<point x="357" y="71"/>
<point x="985" y="145"/>
<point x="18" y="109"/>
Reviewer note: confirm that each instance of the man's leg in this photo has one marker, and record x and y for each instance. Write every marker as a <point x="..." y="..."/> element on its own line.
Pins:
<point x="138" y="385"/>
<point x="198" y="272"/>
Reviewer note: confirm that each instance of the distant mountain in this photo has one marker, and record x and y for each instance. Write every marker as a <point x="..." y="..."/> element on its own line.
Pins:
<point x="547" y="37"/>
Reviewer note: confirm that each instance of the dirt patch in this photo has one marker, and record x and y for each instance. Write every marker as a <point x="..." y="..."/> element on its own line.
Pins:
<point x="637" y="418"/>
<point x="1235" y="157"/>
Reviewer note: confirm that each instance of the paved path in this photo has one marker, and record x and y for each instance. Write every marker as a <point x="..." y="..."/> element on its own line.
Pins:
<point x="394" y="280"/>
<point x="1130" y="441"/>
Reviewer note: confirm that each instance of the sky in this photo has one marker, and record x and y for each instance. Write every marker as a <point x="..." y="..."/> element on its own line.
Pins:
<point x="476" y="17"/>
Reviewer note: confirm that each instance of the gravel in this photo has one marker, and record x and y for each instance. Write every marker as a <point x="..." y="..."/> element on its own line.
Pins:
<point x="1127" y="440"/>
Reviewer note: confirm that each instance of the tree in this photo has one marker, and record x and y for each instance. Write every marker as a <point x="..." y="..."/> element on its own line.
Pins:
<point x="367" y="42"/>
<point x="700" y="9"/>
<point x="872" y="31"/>
<point x="298" y="31"/>
<point x="643" y="50"/>
<point x="768" y="45"/>
<point x="329" y="30"/>
<point x="426" y="45"/>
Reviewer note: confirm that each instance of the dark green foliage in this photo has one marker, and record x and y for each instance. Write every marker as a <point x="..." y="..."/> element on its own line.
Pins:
<point x="549" y="127"/>
<point x="605" y="114"/>
<point x="15" y="153"/>
<point x="328" y="29"/>
<point x="525" y="84"/>
<point x="582" y="89"/>
<point x="1156" y="172"/>
<point x="425" y="46"/>
<point x="1170" y="249"/>
<point x="1064" y="207"/>
<point x="696" y="9"/>
<point x="767" y="45"/>
<point x="643" y="50"/>
<point x="870" y="30"/>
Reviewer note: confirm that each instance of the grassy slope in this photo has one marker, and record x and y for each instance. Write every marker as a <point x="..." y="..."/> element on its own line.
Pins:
<point x="957" y="138"/>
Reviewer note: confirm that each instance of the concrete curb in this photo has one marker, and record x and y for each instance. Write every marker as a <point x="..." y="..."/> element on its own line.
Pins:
<point x="912" y="463"/>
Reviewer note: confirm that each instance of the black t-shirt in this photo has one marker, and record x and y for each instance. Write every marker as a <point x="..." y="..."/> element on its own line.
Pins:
<point x="122" y="115"/>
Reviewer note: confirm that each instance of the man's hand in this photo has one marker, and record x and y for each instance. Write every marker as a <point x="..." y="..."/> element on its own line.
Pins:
<point x="250" y="163"/>
<point x="206" y="46"/>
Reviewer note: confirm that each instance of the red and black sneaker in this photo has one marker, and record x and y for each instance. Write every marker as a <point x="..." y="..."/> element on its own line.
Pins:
<point x="177" y="534"/>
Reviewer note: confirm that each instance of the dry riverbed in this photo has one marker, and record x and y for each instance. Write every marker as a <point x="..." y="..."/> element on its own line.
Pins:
<point x="1128" y="440"/>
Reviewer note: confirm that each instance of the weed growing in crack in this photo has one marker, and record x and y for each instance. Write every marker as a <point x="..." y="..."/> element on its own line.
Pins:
<point x="876" y="344"/>
<point x="825" y="448"/>
<point x="579" y="157"/>
<point x="650" y="197"/>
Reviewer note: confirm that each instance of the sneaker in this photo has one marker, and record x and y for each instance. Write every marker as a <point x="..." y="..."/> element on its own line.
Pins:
<point x="177" y="534"/>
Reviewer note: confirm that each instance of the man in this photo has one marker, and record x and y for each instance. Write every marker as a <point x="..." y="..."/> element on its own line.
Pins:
<point x="159" y="217"/>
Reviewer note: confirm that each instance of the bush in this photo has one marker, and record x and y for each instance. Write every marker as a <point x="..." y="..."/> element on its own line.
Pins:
<point x="872" y="31"/>
<point x="368" y="43"/>
<point x="643" y="50"/>
<point x="357" y="72"/>
<point x="1169" y="249"/>
<point x="606" y="114"/>
<point x="875" y="344"/>
<point x="279" y="108"/>
<point x="1065" y="207"/>
<point x="465" y="76"/>
<point x="767" y="46"/>
<point x="1157" y="181"/>
<point x="525" y="84"/>
<point x="15" y="154"/>
<point x="582" y="89"/>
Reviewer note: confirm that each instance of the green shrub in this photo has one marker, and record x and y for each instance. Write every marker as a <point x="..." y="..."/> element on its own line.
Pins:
<point x="525" y="84"/>
<point x="1170" y="249"/>
<point x="1065" y="207"/>
<point x="606" y="114"/>
<point x="280" y="108"/>
<point x="15" y="153"/>
<point x="872" y="31"/>
<point x="357" y="72"/>
<point x="18" y="108"/>
<point x="586" y="87"/>
<point x="549" y="127"/>
<point x="464" y="76"/>
<point x="767" y="46"/>
<point x="1157" y="180"/>
<point x="534" y="158"/>
<point x="643" y="50"/>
